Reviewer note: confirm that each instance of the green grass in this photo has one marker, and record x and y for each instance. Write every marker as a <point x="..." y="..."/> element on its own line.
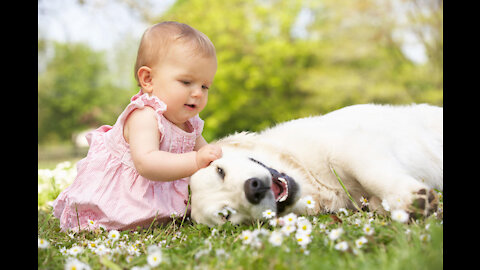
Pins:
<point x="189" y="245"/>
<point x="389" y="247"/>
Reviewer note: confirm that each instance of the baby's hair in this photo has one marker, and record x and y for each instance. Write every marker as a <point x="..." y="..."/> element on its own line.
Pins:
<point x="158" y="38"/>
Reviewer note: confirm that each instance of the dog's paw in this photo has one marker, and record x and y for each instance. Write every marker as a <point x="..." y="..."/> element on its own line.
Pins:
<point x="424" y="203"/>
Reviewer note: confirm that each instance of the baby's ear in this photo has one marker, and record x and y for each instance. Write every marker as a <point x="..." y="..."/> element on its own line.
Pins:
<point x="144" y="74"/>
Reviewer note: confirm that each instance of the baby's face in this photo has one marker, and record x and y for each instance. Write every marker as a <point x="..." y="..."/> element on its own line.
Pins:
<point x="181" y="80"/>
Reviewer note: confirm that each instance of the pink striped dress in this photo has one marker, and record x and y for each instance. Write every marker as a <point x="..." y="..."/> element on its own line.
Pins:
<point x="109" y="192"/>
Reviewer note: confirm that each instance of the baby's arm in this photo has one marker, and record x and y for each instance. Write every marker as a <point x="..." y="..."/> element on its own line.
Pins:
<point x="141" y="132"/>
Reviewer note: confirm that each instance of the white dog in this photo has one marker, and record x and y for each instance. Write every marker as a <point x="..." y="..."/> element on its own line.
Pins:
<point x="389" y="154"/>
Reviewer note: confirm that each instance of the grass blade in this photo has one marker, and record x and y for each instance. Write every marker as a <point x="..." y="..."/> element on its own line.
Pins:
<point x="345" y="189"/>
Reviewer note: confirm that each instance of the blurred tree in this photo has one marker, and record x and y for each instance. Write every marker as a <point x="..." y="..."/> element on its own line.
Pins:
<point x="72" y="94"/>
<point x="271" y="69"/>
<point x="277" y="60"/>
<point x="258" y="61"/>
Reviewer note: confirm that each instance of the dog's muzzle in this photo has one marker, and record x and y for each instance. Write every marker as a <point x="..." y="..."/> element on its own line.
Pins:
<point x="284" y="188"/>
<point x="255" y="190"/>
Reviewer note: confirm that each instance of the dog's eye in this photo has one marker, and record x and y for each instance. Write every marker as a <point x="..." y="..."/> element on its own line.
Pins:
<point x="221" y="172"/>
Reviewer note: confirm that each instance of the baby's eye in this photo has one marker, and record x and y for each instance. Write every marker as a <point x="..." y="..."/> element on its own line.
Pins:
<point x="205" y="87"/>
<point x="186" y="82"/>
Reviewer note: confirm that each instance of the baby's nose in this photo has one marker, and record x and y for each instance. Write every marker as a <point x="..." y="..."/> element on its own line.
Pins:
<point x="197" y="92"/>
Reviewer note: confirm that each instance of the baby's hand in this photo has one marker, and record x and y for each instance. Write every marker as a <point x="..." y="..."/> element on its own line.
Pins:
<point x="207" y="154"/>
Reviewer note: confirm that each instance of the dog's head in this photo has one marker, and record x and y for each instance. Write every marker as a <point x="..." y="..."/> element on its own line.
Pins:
<point x="239" y="188"/>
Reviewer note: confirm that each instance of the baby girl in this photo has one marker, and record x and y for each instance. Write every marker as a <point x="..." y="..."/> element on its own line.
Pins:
<point x="136" y="171"/>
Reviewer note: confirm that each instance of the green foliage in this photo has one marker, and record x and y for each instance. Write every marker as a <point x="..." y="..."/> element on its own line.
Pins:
<point x="268" y="71"/>
<point x="268" y="74"/>
<point x="73" y="95"/>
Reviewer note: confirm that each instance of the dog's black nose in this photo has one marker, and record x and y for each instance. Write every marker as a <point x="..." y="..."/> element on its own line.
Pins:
<point x="255" y="190"/>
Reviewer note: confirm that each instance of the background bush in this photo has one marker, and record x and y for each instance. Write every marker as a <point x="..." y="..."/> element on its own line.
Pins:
<point x="271" y="66"/>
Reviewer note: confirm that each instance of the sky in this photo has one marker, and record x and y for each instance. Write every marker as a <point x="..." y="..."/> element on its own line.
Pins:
<point x="100" y="23"/>
<point x="101" y="28"/>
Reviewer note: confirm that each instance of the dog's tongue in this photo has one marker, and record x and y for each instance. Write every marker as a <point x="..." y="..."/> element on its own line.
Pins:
<point x="279" y="188"/>
<point x="276" y="189"/>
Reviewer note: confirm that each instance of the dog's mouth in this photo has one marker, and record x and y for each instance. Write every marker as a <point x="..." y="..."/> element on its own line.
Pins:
<point x="283" y="186"/>
<point x="279" y="188"/>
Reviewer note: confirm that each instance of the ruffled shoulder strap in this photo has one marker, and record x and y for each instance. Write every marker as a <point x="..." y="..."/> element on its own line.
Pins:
<point x="139" y="101"/>
<point x="143" y="99"/>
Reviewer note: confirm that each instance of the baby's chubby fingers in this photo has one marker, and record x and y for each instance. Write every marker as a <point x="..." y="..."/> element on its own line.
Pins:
<point x="207" y="154"/>
<point x="216" y="151"/>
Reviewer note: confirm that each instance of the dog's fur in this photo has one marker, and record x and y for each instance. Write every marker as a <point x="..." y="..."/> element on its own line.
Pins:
<point x="380" y="152"/>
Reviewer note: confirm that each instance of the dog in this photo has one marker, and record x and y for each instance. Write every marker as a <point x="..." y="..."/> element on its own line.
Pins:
<point x="388" y="155"/>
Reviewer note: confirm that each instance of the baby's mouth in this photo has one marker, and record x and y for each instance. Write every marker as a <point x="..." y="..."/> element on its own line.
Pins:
<point x="192" y="106"/>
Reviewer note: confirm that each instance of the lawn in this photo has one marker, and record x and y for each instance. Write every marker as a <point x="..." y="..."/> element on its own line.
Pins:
<point x="343" y="240"/>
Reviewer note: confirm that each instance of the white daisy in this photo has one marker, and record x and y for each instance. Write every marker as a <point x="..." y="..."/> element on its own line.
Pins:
<point x="92" y="244"/>
<point x="364" y="201"/>
<point x="247" y="237"/>
<point x="424" y="237"/>
<point x="361" y="241"/>
<point x="400" y="215"/>
<point x="268" y="214"/>
<point x="273" y="222"/>
<point x="308" y="201"/>
<point x="75" y="264"/>
<point x="276" y="238"/>
<point x="74" y="250"/>
<point x="335" y="234"/>
<point x="302" y="238"/>
<point x="155" y="258"/>
<point x="91" y="223"/>
<point x="385" y="205"/>
<point x="368" y="230"/>
<point x="63" y="250"/>
<point x="42" y="243"/>
<point x="290" y="219"/>
<point x="342" y="246"/>
<point x="357" y="222"/>
<point x="133" y="250"/>
<point x="114" y="235"/>
<point x="101" y="250"/>
<point x="303" y="225"/>
<point x="287" y="229"/>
